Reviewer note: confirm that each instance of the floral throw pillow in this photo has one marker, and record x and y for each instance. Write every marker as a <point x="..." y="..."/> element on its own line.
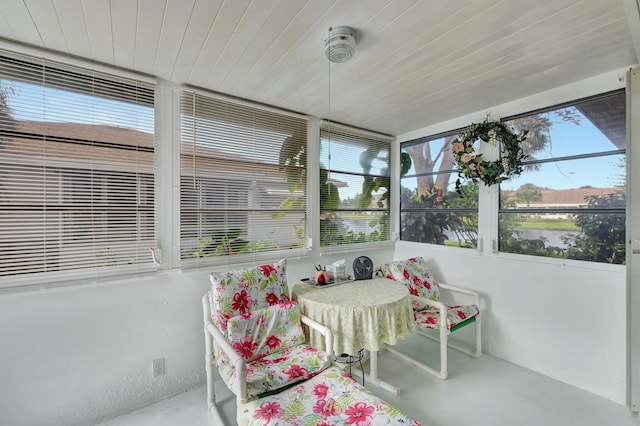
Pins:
<point x="413" y="272"/>
<point x="244" y="290"/>
<point x="262" y="332"/>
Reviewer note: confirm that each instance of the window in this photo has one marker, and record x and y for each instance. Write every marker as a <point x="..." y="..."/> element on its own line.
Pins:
<point x="570" y="200"/>
<point x="431" y="211"/>
<point x="76" y="170"/>
<point x="242" y="178"/>
<point x="354" y="186"/>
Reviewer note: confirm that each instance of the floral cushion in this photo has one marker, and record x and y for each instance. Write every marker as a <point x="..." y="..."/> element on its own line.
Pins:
<point x="259" y="333"/>
<point x="278" y="369"/>
<point x="238" y="292"/>
<point x="330" y="398"/>
<point x="415" y="274"/>
<point x="430" y="317"/>
<point x="271" y="340"/>
<point x="243" y="290"/>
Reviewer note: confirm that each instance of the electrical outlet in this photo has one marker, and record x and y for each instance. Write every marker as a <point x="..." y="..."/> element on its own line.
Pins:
<point x="158" y="367"/>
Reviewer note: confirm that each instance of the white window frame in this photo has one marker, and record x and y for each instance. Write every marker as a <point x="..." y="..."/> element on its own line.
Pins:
<point x="486" y="150"/>
<point x="488" y="202"/>
<point x="84" y="274"/>
<point x="236" y="259"/>
<point x="326" y="127"/>
<point x="495" y="246"/>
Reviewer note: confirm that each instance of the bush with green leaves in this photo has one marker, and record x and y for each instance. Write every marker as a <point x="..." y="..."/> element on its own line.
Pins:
<point x="427" y="218"/>
<point x="222" y="243"/>
<point x="603" y="234"/>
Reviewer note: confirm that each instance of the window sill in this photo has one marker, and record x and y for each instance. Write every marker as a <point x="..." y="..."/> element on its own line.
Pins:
<point x="513" y="257"/>
<point x="240" y="260"/>
<point x="569" y="263"/>
<point x="359" y="247"/>
<point x="55" y="280"/>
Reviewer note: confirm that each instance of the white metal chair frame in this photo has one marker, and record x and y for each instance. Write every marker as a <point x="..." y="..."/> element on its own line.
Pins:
<point x="443" y="333"/>
<point x="211" y="333"/>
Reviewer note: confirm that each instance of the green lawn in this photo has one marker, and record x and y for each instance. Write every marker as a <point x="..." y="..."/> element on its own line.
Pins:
<point x="550" y="224"/>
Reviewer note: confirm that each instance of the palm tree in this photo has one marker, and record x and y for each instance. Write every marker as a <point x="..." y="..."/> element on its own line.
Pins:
<point x="6" y="120"/>
<point x="528" y="193"/>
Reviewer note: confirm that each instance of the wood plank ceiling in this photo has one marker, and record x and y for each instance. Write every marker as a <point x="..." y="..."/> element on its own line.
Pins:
<point x="416" y="62"/>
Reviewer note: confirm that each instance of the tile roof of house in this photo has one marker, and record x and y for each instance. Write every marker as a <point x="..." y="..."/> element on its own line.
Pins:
<point x="573" y="196"/>
<point x="72" y="143"/>
<point x="89" y="132"/>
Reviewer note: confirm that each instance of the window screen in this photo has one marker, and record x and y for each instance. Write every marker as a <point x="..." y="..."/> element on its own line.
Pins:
<point x="431" y="210"/>
<point x="570" y="201"/>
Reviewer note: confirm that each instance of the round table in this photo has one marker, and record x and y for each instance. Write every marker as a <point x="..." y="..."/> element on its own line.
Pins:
<point x="361" y="314"/>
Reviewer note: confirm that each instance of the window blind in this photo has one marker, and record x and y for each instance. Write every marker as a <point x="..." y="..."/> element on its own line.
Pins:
<point x="354" y="185"/>
<point x="243" y="178"/>
<point x="76" y="169"/>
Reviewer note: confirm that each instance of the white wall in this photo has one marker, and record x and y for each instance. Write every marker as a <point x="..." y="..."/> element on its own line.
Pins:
<point x="564" y="320"/>
<point x="76" y="355"/>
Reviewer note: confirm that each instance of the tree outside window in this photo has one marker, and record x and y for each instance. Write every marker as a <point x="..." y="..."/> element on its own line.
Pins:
<point x="431" y="211"/>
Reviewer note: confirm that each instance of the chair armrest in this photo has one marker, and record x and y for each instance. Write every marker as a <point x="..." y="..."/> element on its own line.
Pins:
<point x="433" y="303"/>
<point x="326" y="332"/>
<point x="442" y="311"/>
<point x="462" y="290"/>
<point x="238" y="362"/>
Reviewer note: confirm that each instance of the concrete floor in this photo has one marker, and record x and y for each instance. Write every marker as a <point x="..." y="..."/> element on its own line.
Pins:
<point x="483" y="391"/>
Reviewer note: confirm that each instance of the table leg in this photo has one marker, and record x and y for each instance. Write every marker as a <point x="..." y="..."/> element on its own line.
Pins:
<point x="373" y="378"/>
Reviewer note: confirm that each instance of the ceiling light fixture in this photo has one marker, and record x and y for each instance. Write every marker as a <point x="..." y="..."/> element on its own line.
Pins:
<point x="340" y="46"/>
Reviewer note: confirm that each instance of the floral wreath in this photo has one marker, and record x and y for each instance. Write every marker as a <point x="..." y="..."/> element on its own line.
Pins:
<point x="472" y="166"/>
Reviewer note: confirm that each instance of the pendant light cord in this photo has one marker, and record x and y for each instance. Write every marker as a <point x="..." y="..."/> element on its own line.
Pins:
<point x="193" y="114"/>
<point x="329" y="117"/>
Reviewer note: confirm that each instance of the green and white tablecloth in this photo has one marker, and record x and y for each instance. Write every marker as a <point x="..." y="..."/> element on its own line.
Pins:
<point x="361" y="314"/>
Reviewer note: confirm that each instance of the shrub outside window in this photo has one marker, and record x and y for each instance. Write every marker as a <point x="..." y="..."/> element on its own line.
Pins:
<point x="570" y="200"/>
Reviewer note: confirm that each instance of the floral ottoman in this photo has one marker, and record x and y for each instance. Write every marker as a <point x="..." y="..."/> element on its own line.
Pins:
<point x="330" y="398"/>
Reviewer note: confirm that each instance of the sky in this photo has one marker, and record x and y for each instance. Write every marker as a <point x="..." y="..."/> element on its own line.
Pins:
<point x="66" y="106"/>
<point x="566" y="139"/>
<point x="570" y="139"/>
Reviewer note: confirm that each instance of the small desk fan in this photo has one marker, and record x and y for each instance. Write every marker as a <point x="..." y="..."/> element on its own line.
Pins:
<point x="362" y="268"/>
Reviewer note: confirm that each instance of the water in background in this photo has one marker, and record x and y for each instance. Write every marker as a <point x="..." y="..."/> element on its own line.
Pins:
<point x="357" y="225"/>
<point x="552" y="236"/>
